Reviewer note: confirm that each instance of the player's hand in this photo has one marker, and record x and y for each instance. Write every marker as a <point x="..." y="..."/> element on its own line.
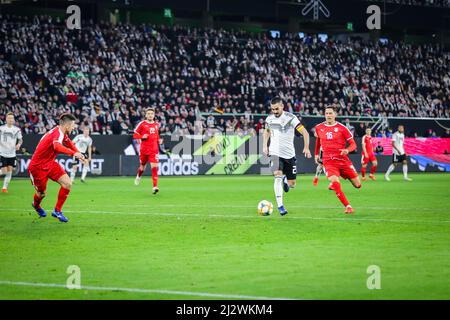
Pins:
<point x="344" y="152"/>
<point x="307" y="153"/>
<point x="79" y="155"/>
<point x="366" y="155"/>
<point x="316" y="159"/>
<point x="144" y="137"/>
<point x="17" y="147"/>
<point x="265" y="151"/>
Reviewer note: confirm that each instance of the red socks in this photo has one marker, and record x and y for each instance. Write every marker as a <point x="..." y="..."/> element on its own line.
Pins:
<point x="62" y="197"/>
<point x="155" y="176"/>
<point x="140" y="172"/>
<point x="37" y="201"/>
<point x="373" y="169"/>
<point x="341" y="196"/>
<point x="363" y="172"/>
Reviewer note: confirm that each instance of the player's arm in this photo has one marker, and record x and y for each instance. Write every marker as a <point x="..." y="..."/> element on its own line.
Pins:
<point x="394" y="145"/>
<point x="302" y="130"/>
<point x="350" y="148"/>
<point x="90" y="152"/>
<point x="363" y="143"/>
<point x="19" y="144"/>
<point x="60" y="148"/>
<point x="266" y="136"/>
<point x="138" y="133"/>
<point x="317" y="149"/>
<point x="70" y="145"/>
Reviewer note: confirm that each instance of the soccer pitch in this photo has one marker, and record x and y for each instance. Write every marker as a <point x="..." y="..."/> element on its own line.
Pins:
<point x="200" y="238"/>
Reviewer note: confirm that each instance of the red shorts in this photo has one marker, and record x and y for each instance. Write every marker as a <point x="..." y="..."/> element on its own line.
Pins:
<point x="370" y="158"/>
<point x="145" y="158"/>
<point x="340" y="168"/>
<point x="40" y="177"/>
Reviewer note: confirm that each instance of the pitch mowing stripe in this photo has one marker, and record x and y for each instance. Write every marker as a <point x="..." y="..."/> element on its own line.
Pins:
<point x="198" y="215"/>
<point x="138" y="290"/>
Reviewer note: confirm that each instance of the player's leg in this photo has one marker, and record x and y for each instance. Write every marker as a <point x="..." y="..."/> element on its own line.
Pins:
<point x="373" y="169"/>
<point x="154" y="167"/>
<point x="364" y="163"/>
<point x="405" y="169"/>
<point x="289" y="173"/>
<point x="277" y="170"/>
<point x="85" y="170"/>
<point x="333" y="174"/>
<point x="391" y="167"/>
<point x="363" y="171"/>
<point x="316" y="176"/>
<point x="58" y="175"/>
<point x="73" y="172"/>
<point x="7" y="179"/>
<point x="39" y="181"/>
<point x="143" y="159"/>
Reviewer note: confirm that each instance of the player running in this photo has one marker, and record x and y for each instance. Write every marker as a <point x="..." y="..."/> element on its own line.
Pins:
<point x="148" y="132"/>
<point x="43" y="165"/>
<point x="399" y="154"/>
<point x="10" y="142"/>
<point x="281" y="126"/>
<point x="83" y="142"/>
<point x="319" y="167"/>
<point x="368" y="156"/>
<point x="333" y="137"/>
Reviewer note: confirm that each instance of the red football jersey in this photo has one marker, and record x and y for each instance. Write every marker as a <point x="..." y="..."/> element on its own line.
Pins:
<point x="333" y="138"/>
<point x="45" y="152"/>
<point x="369" y="147"/>
<point x="151" y="144"/>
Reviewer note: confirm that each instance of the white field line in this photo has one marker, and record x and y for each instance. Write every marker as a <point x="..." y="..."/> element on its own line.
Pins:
<point x="234" y="216"/>
<point x="290" y="206"/>
<point x="138" y="290"/>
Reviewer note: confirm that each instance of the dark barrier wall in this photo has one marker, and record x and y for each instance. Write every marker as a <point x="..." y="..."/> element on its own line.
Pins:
<point x="118" y="165"/>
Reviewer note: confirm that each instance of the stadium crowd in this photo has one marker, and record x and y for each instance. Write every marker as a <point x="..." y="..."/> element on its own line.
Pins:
<point x="107" y="75"/>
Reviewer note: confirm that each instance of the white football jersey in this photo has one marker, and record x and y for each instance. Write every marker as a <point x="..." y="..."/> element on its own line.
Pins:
<point x="282" y="132"/>
<point x="399" y="139"/>
<point x="8" y="140"/>
<point x="82" y="143"/>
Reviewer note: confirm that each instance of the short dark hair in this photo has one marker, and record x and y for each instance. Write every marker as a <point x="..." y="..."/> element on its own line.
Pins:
<point x="10" y="113"/>
<point x="66" y="117"/>
<point x="276" y="100"/>
<point x="332" y="107"/>
<point x="150" y="109"/>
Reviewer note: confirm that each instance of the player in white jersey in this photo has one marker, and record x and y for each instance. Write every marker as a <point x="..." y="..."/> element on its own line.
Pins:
<point x="10" y="142"/>
<point x="399" y="154"/>
<point x="83" y="142"/>
<point x="281" y="127"/>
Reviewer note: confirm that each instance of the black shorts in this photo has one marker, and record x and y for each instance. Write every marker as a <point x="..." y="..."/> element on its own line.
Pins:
<point x="287" y="166"/>
<point x="8" y="162"/>
<point x="398" y="159"/>
<point x="77" y="162"/>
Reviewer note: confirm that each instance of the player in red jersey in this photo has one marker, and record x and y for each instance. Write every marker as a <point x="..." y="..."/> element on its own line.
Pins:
<point x="148" y="132"/>
<point x="333" y="137"/>
<point x="368" y="156"/>
<point x="43" y="165"/>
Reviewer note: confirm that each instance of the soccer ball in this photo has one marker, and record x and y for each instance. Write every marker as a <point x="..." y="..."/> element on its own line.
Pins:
<point x="265" y="208"/>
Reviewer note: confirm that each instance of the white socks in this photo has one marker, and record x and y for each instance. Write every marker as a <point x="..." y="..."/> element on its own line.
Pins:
<point x="278" y="188"/>
<point x="72" y="175"/>
<point x="390" y="169"/>
<point x="7" y="179"/>
<point x="405" y="171"/>
<point x="318" y="169"/>
<point x="84" y="172"/>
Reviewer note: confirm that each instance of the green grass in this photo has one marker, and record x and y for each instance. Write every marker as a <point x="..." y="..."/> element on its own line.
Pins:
<point x="202" y="234"/>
